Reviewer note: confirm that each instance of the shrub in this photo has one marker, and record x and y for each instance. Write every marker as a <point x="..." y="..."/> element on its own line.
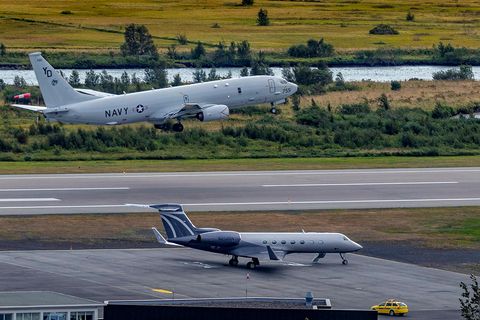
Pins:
<point x="410" y="16"/>
<point x="395" y="85"/>
<point x="182" y="39"/>
<point x="313" y="48"/>
<point x="441" y="111"/>
<point x="66" y="12"/>
<point x="383" y="102"/>
<point x="463" y="73"/>
<point x="262" y="18"/>
<point x="313" y="116"/>
<point x="383" y="29"/>
<point x="247" y="2"/>
<point x="3" y="49"/>
<point x="355" y="108"/>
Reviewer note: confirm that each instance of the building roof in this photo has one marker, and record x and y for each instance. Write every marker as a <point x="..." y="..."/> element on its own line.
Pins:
<point x="42" y="299"/>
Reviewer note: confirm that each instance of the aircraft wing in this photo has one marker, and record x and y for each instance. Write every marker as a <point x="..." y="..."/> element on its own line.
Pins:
<point x="262" y="253"/>
<point x="90" y="92"/>
<point x="29" y="107"/>
<point x="189" y="110"/>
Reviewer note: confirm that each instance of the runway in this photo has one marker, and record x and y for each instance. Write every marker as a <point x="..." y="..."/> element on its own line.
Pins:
<point x="146" y="273"/>
<point x="236" y="191"/>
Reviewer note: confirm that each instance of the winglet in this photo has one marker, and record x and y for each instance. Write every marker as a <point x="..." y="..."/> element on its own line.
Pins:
<point x="272" y="254"/>
<point x="162" y="240"/>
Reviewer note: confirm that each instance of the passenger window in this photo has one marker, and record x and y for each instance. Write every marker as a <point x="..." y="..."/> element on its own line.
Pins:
<point x="389" y="304"/>
<point x="292" y="242"/>
<point x="274" y="242"/>
<point x="239" y="90"/>
<point x="283" y="241"/>
<point x="382" y="305"/>
<point x="265" y="241"/>
<point x="395" y="305"/>
<point x="302" y="242"/>
<point x="311" y="242"/>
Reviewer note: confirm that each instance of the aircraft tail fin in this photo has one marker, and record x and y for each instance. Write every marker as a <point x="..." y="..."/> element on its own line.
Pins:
<point x="162" y="240"/>
<point x="175" y="221"/>
<point x="55" y="89"/>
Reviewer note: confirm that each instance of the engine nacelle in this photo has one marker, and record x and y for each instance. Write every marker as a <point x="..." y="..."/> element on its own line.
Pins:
<point x="214" y="112"/>
<point x="220" y="238"/>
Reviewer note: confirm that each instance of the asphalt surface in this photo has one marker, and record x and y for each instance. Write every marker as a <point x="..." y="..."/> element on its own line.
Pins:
<point x="233" y="191"/>
<point x="135" y="274"/>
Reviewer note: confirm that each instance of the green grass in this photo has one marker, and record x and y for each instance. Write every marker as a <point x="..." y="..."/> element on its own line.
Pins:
<point x="127" y="166"/>
<point x="469" y="228"/>
<point x="97" y="25"/>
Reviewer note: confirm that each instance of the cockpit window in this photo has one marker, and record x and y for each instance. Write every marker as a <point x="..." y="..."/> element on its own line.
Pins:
<point x="345" y="239"/>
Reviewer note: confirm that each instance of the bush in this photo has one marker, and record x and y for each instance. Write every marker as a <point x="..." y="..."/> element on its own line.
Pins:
<point x="383" y="29"/>
<point x="262" y="18"/>
<point x="313" y="48"/>
<point x="66" y="12"/>
<point x="247" y="2"/>
<point x="395" y="85"/>
<point x="313" y="116"/>
<point x="355" y="108"/>
<point x="410" y="16"/>
<point x="442" y="111"/>
<point x="182" y="39"/>
<point x="463" y="73"/>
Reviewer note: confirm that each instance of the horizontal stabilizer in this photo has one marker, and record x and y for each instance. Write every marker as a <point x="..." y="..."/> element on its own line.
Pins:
<point x="162" y="240"/>
<point x="29" y="107"/>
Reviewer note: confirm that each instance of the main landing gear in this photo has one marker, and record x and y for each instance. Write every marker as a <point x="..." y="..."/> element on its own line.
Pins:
<point x="253" y="264"/>
<point x="234" y="261"/>
<point x="250" y="265"/>
<point x="344" y="260"/>
<point x="177" y="127"/>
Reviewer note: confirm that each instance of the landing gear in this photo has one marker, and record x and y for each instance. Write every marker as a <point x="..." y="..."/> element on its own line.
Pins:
<point x="273" y="108"/>
<point x="233" y="262"/>
<point x="253" y="264"/>
<point x="177" y="127"/>
<point x="344" y="260"/>
<point x="318" y="257"/>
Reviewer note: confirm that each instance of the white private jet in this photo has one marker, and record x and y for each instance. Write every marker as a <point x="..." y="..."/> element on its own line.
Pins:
<point x="253" y="245"/>
<point x="204" y="101"/>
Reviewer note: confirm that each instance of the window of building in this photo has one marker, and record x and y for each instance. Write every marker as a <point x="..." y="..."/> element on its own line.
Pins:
<point x="82" y="315"/>
<point x="6" y="316"/>
<point x="54" y="316"/>
<point x="28" y="316"/>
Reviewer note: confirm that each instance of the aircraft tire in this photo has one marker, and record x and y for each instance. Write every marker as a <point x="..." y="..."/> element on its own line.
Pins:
<point x="177" y="127"/>
<point x="233" y="262"/>
<point x="345" y="262"/>
<point x="273" y="110"/>
<point x="251" y="265"/>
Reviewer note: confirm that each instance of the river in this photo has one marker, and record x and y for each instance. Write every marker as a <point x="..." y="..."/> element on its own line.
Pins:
<point x="381" y="74"/>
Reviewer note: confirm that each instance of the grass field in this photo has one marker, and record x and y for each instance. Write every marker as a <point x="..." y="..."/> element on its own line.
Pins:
<point x="98" y="25"/>
<point x="445" y="228"/>
<point x="129" y="166"/>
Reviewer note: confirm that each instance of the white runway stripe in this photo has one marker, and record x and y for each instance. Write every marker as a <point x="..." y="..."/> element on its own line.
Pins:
<point x="213" y="204"/>
<point x="357" y="184"/>
<point x="28" y="200"/>
<point x="64" y="189"/>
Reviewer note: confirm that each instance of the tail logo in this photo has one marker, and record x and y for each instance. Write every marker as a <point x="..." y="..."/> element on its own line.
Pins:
<point x="54" y="82"/>
<point x="47" y="72"/>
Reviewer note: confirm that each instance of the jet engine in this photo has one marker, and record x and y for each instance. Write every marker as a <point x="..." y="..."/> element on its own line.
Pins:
<point x="214" y="112"/>
<point x="220" y="238"/>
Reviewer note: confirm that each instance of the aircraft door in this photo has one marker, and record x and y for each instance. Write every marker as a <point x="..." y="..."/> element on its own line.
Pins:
<point x="271" y="85"/>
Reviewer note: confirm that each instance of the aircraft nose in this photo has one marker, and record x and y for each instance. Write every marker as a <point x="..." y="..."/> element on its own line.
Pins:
<point x="356" y="246"/>
<point x="294" y="87"/>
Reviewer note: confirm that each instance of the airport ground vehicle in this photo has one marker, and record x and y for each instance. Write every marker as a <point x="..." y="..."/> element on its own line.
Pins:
<point x="391" y="307"/>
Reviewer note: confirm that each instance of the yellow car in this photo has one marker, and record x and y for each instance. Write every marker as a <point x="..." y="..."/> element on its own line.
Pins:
<point x="391" y="307"/>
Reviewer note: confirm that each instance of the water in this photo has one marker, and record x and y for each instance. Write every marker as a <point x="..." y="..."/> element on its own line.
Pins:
<point x="380" y="74"/>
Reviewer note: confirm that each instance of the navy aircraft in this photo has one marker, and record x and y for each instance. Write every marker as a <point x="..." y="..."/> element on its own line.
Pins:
<point x="204" y="101"/>
<point x="253" y="245"/>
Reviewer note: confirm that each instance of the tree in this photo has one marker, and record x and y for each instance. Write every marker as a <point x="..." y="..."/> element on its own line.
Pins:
<point x="124" y="82"/>
<point x="212" y="75"/>
<point x="244" y="52"/>
<point x="74" y="79"/>
<point x="2" y="84"/>
<point x="157" y="76"/>
<point x="244" y="72"/>
<point x="177" y="80"/>
<point x="262" y="18"/>
<point x="19" y="82"/>
<point x="383" y="102"/>
<point x="91" y="79"/>
<point x="3" y="49"/>
<point x="138" y="42"/>
<point x="199" y="75"/>
<point x="470" y="304"/>
<point x="395" y="85"/>
<point x="198" y="51"/>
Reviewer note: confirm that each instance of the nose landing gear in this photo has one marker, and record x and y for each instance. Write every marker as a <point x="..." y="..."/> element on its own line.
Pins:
<point x="344" y="260"/>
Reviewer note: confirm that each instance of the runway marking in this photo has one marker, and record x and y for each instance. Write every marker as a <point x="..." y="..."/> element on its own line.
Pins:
<point x="358" y="184"/>
<point x="215" y="204"/>
<point x="228" y="174"/>
<point x="65" y="189"/>
<point x="162" y="291"/>
<point x="28" y="199"/>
